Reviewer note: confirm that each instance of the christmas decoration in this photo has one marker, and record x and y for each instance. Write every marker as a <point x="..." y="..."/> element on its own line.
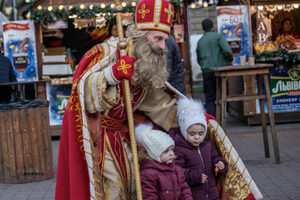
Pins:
<point x="280" y="54"/>
<point x="86" y="11"/>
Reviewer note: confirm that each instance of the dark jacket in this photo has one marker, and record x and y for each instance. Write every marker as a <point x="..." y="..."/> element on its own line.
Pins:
<point x="162" y="181"/>
<point x="196" y="161"/>
<point x="7" y="73"/>
<point x="175" y="65"/>
<point x="213" y="51"/>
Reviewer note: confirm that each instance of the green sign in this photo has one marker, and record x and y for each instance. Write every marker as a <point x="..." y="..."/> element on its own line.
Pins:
<point x="61" y="103"/>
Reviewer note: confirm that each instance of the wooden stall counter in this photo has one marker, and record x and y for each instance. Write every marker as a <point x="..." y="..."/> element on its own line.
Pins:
<point x="260" y="71"/>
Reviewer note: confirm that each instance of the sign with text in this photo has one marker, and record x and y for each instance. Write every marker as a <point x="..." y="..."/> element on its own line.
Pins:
<point x="285" y="91"/>
<point x="234" y="25"/>
<point x="262" y="26"/>
<point x="284" y="88"/>
<point x="58" y="97"/>
<point x="19" y="47"/>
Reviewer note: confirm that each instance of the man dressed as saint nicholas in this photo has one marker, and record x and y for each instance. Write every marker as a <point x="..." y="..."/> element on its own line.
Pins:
<point x="95" y="159"/>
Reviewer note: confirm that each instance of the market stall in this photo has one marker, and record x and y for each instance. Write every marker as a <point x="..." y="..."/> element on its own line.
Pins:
<point x="26" y="152"/>
<point x="275" y="40"/>
<point x="67" y="29"/>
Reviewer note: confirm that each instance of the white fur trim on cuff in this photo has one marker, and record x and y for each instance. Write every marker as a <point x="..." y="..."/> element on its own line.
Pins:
<point x="109" y="76"/>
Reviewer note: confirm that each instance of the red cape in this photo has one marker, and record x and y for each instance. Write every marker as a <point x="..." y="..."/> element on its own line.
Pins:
<point x="72" y="180"/>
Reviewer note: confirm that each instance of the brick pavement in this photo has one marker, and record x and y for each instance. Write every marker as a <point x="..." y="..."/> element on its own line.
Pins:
<point x="276" y="181"/>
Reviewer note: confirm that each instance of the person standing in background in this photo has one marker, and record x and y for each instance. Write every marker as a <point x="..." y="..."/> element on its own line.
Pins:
<point x="212" y="51"/>
<point x="7" y="75"/>
<point x="286" y="29"/>
<point x="175" y="65"/>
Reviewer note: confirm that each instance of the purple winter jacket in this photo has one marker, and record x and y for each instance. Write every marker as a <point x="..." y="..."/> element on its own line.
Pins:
<point x="162" y="181"/>
<point x="195" y="161"/>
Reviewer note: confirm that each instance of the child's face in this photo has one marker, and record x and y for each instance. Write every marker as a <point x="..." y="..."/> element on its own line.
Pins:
<point x="168" y="155"/>
<point x="196" y="134"/>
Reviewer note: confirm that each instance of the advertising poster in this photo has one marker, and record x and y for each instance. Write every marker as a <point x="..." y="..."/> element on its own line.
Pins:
<point x="179" y="33"/>
<point x="234" y="25"/>
<point x="58" y="97"/>
<point x="284" y="88"/>
<point x="19" y="47"/>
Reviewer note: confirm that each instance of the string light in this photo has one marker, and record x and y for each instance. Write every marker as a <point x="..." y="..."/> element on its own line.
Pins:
<point x="279" y="7"/>
<point x="133" y="4"/>
<point x="102" y="5"/>
<point x="27" y="1"/>
<point x="200" y="3"/>
<point x="112" y="5"/>
<point x="61" y="7"/>
<point x="82" y="6"/>
<point x="50" y="8"/>
<point x="73" y="16"/>
<point x="296" y="5"/>
<point x="205" y="4"/>
<point x="193" y="5"/>
<point x="70" y="8"/>
<point x="124" y="4"/>
<point x="260" y="7"/>
<point x="91" y="7"/>
<point x="39" y="7"/>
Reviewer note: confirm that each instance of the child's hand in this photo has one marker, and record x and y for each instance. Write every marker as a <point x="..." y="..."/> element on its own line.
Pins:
<point x="204" y="178"/>
<point x="220" y="165"/>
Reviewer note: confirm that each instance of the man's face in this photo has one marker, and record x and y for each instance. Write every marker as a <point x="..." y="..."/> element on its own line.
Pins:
<point x="149" y="51"/>
<point x="158" y="38"/>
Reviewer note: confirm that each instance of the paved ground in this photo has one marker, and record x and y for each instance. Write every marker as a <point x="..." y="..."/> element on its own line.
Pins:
<point x="276" y="181"/>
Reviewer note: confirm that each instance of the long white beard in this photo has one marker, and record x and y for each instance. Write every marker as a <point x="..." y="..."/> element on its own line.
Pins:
<point x="150" y="66"/>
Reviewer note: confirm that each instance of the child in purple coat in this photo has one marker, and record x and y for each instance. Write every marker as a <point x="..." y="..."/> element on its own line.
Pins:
<point x="194" y="154"/>
<point x="160" y="177"/>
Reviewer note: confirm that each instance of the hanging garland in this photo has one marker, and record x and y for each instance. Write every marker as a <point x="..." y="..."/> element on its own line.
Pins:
<point x="50" y="14"/>
<point x="281" y="54"/>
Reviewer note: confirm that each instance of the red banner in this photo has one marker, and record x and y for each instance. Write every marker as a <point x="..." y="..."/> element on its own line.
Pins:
<point x="229" y="11"/>
<point x="15" y="26"/>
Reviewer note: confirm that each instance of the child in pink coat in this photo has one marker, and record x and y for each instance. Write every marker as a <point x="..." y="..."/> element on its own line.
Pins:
<point x="160" y="177"/>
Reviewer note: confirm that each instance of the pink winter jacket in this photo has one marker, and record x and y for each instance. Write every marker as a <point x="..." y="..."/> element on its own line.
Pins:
<point x="162" y="181"/>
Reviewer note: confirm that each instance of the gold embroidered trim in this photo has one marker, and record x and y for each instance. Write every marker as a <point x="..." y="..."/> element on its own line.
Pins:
<point x="100" y="83"/>
<point x="106" y="189"/>
<point x="233" y="182"/>
<point x="91" y="91"/>
<point x="173" y="120"/>
<point x="243" y="171"/>
<point x="250" y="182"/>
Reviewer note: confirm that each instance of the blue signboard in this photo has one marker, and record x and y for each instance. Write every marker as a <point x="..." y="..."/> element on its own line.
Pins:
<point x="234" y="25"/>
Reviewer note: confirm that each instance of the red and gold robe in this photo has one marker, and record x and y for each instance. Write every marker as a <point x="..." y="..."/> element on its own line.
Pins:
<point x="94" y="126"/>
<point x="86" y="136"/>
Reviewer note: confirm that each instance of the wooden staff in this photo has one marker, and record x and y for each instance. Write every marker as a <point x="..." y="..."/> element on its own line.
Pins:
<point x="122" y="46"/>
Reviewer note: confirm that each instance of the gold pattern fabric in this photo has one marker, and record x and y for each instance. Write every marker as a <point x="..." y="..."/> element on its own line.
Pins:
<point x="232" y="181"/>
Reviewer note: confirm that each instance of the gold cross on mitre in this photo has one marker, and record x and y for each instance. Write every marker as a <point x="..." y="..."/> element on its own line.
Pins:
<point x="143" y="11"/>
<point x="169" y="12"/>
